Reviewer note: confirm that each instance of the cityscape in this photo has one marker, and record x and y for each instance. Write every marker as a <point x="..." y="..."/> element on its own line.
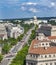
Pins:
<point x="27" y="32"/>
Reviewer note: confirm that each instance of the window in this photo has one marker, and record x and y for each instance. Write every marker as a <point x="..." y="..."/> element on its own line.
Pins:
<point x="49" y="55"/>
<point x="34" y="56"/>
<point x="42" y="44"/>
<point x="45" y="56"/>
<point x="50" y="63"/>
<point x="46" y="63"/>
<point x="32" y="64"/>
<point x="41" y="56"/>
<point x="31" y="55"/>
<point x="55" y="63"/>
<point x="46" y="43"/>
<point x="54" y="55"/>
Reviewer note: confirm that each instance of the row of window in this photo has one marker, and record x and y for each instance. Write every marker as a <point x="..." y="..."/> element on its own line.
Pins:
<point x="49" y="64"/>
<point x="42" y="64"/>
<point x="43" y="44"/>
<point x="44" y="56"/>
<point x="34" y="56"/>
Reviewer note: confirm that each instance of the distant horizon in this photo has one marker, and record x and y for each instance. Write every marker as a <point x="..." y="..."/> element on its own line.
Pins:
<point x="29" y="18"/>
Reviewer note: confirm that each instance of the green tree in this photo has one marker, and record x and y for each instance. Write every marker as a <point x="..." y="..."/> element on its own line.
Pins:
<point x="1" y="57"/>
<point x="5" y="48"/>
<point x="20" y="37"/>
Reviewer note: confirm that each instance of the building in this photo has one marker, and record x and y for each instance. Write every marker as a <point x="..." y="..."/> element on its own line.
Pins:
<point x="41" y="52"/>
<point x="1" y="21"/>
<point x="3" y="33"/>
<point x="47" y="29"/>
<point x="53" y="31"/>
<point x="35" y="21"/>
<point x="52" y="38"/>
<point x="28" y="21"/>
<point x="40" y="36"/>
<point x="52" y="19"/>
<point x="14" y="31"/>
<point x="38" y="21"/>
<point x="10" y="30"/>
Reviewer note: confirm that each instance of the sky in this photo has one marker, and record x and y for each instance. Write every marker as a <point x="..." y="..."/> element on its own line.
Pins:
<point x="27" y="8"/>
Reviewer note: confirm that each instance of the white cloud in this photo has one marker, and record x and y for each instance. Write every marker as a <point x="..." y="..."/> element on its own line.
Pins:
<point x="34" y="10"/>
<point x="29" y="3"/>
<point x="52" y="4"/>
<point x="23" y="8"/>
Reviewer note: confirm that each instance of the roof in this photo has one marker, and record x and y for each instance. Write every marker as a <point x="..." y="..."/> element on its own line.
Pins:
<point x="52" y="37"/>
<point x="41" y="50"/>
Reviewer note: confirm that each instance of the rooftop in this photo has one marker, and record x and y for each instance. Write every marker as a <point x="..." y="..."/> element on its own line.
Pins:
<point x="51" y="37"/>
<point x="41" y="50"/>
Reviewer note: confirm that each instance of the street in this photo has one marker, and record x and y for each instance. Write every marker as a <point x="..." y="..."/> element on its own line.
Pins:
<point x="12" y="53"/>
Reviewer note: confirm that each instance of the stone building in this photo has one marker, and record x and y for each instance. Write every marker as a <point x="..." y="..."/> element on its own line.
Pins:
<point x="47" y="29"/>
<point x="3" y="33"/>
<point x="14" y="31"/>
<point x="41" y="52"/>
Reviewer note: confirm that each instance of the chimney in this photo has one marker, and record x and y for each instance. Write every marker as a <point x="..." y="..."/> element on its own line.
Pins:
<point x="45" y="48"/>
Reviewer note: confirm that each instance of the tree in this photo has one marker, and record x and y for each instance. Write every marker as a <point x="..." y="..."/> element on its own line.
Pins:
<point x="5" y="48"/>
<point x="20" y="37"/>
<point x="1" y="57"/>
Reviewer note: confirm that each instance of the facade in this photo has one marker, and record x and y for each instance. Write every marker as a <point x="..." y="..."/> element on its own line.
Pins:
<point x="35" y="21"/>
<point x="52" y="20"/>
<point x="40" y="36"/>
<point x="14" y="31"/>
<point x="3" y="33"/>
<point x="10" y="30"/>
<point x="41" y="52"/>
<point x="28" y="21"/>
<point x="47" y="29"/>
<point x="53" y="31"/>
<point x="52" y="38"/>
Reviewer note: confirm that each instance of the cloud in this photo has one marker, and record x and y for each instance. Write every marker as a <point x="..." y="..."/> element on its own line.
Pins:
<point x="52" y="4"/>
<point x="23" y="8"/>
<point x="34" y="10"/>
<point x="40" y="7"/>
<point x="29" y="3"/>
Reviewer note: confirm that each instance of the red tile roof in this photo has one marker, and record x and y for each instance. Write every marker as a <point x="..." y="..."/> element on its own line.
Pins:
<point x="52" y="37"/>
<point x="41" y="50"/>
